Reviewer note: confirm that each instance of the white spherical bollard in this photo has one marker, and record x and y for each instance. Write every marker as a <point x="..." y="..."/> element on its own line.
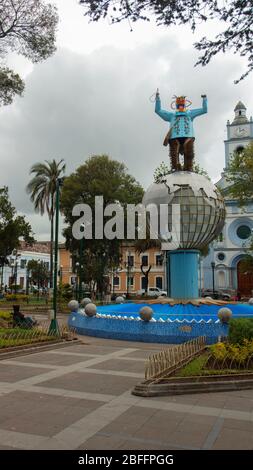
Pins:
<point x="120" y="300"/>
<point x="86" y="301"/>
<point x="73" y="305"/>
<point x="146" y="313"/>
<point x="90" y="310"/>
<point x="224" y="314"/>
<point x="250" y="302"/>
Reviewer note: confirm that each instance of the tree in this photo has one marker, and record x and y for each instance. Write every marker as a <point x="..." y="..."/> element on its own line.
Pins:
<point x="39" y="273"/>
<point x="13" y="227"/>
<point x="98" y="176"/>
<point x="236" y="16"/>
<point x="239" y="175"/>
<point x="27" y="27"/>
<point x="42" y="190"/>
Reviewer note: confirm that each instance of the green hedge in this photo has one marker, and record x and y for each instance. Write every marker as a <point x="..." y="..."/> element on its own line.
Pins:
<point x="240" y="329"/>
<point x="5" y="315"/>
<point x="16" y="297"/>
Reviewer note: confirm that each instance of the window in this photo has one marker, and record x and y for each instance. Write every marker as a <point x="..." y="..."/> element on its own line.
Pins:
<point x="143" y="282"/>
<point x="159" y="260"/>
<point x="130" y="280"/>
<point x="116" y="281"/>
<point x="239" y="149"/>
<point x="130" y="260"/>
<point x="21" y="282"/>
<point x="243" y="232"/>
<point x="159" y="282"/>
<point x="23" y="263"/>
<point x="144" y="260"/>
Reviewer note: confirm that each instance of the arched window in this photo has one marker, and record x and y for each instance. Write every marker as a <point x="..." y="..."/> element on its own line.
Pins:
<point x="239" y="149"/>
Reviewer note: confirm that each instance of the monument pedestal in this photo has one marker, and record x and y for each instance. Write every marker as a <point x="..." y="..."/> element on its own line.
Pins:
<point x="182" y="274"/>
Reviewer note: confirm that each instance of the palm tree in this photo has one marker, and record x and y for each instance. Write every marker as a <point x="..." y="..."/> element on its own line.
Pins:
<point x="42" y="190"/>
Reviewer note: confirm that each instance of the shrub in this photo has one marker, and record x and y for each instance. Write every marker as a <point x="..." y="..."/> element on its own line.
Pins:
<point x="16" y="297"/>
<point x="5" y="315"/>
<point x="240" y="329"/>
<point x="234" y="352"/>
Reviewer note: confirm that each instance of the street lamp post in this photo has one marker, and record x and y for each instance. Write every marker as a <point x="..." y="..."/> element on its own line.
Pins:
<point x="77" y="278"/>
<point x="54" y="327"/>
<point x="61" y="269"/>
<point x="213" y="267"/>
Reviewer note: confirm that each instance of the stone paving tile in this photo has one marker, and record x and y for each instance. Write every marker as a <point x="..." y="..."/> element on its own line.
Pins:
<point x="91" y="349"/>
<point x="214" y="401"/>
<point x="7" y="448"/>
<point x="13" y="374"/>
<point x="236" y="403"/>
<point x="184" y="399"/>
<point x="193" y="419"/>
<point x="160" y="425"/>
<point x="52" y="359"/>
<point x="46" y="415"/>
<point x="228" y="439"/>
<point x="119" y="365"/>
<point x="129" y="422"/>
<point x="142" y="353"/>
<point x="96" y="383"/>
<point x="237" y="424"/>
<point x="188" y="439"/>
<point x="121" y="344"/>
<point x="98" y="442"/>
<point x="79" y="348"/>
<point x="130" y="445"/>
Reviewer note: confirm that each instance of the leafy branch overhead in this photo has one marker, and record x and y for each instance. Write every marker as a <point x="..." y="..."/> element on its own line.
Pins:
<point x="236" y="18"/>
<point x="28" y="28"/>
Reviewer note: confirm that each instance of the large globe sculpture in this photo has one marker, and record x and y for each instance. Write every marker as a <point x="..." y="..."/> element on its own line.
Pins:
<point x="194" y="216"/>
<point x="202" y="209"/>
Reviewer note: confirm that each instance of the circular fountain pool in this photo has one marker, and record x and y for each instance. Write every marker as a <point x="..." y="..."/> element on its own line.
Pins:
<point x="170" y="324"/>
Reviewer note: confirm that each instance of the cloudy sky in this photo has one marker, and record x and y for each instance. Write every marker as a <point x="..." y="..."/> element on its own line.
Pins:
<point x="95" y="96"/>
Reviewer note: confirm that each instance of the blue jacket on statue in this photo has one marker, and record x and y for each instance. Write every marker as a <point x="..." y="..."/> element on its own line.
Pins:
<point x="181" y="122"/>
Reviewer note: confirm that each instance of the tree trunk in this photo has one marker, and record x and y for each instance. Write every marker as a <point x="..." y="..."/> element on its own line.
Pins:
<point x="146" y="274"/>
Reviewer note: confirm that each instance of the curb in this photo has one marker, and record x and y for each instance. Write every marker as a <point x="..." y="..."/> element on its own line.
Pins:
<point x="203" y="385"/>
<point x="36" y="348"/>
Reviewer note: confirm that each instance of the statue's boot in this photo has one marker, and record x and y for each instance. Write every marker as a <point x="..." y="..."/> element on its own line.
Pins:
<point x="174" y="155"/>
<point x="188" y="154"/>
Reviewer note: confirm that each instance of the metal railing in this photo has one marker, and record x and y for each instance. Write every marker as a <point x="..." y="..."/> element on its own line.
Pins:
<point x="37" y="333"/>
<point x="168" y="360"/>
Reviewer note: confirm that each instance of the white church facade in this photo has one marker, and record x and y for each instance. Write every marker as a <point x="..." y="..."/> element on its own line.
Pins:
<point x="220" y="269"/>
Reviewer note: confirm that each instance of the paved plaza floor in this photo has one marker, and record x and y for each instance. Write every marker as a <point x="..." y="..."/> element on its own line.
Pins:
<point x="79" y="397"/>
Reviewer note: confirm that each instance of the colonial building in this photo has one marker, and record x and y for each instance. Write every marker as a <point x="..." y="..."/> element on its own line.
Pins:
<point x="222" y="266"/>
<point x="16" y="272"/>
<point x="66" y="274"/>
<point x="128" y="277"/>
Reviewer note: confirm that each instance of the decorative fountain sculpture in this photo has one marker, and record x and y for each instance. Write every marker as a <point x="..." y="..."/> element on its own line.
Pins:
<point x="200" y="220"/>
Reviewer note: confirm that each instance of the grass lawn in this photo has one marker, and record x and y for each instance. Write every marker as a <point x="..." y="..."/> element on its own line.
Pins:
<point x="197" y="367"/>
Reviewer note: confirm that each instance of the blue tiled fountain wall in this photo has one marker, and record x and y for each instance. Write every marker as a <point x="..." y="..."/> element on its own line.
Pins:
<point x="170" y="324"/>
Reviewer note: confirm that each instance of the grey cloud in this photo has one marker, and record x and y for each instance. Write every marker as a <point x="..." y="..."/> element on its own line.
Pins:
<point x="78" y="105"/>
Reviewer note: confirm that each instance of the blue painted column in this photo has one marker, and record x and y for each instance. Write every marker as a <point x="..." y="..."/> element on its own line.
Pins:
<point x="182" y="274"/>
